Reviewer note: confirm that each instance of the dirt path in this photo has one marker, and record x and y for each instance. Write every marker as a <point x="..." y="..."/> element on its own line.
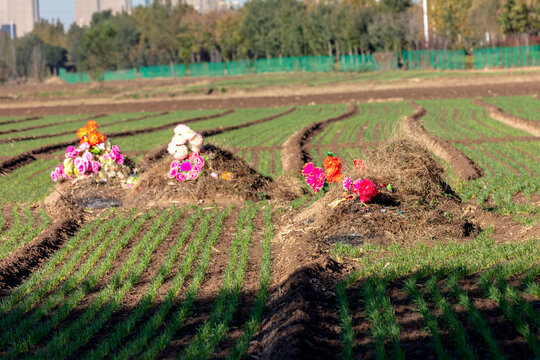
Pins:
<point x="299" y="97"/>
<point x="295" y="151"/>
<point x="532" y="127"/>
<point x="463" y="167"/>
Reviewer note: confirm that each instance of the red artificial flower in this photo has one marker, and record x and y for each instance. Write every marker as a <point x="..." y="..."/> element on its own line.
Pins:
<point x="365" y="189"/>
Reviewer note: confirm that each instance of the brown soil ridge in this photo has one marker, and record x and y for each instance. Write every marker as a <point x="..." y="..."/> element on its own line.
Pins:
<point x="24" y="158"/>
<point x="294" y="151"/>
<point x="496" y="140"/>
<point x="12" y="131"/>
<point x="159" y="152"/>
<point x="462" y="166"/>
<point x="30" y="118"/>
<point x="529" y="126"/>
<point x="19" y="264"/>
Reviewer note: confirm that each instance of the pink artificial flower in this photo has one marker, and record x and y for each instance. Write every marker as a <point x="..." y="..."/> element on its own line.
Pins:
<point x="88" y="155"/>
<point x="71" y="152"/>
<point x="59" y="171"/>
<point x="347" y="183"/>
<point x="198" y="161"/>
<point x="173" y="172"/>
<point x="84" y="146"/>
<point x="365" y="189"/>
<point x="181" y="176"/>
<point x="315" y="179"/>
<point x="82" y="165"/>
<point x="308" y="168"/>
<point x="53" y="176"/>
<point x="192" y="174"/>
<point x="115" y="148"/>
<point x="96" y="166"/>
<point x="174" y="164"/>
<point x="120" y="159"/>
<point x="186" y="166"/>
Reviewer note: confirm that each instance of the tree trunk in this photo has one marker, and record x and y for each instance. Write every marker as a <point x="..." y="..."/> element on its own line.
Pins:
<point x="171" y="62"/>
<point x="329" y="47"/>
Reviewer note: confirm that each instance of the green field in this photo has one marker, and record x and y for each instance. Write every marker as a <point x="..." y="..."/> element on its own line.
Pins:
<point x="198" y="281"/>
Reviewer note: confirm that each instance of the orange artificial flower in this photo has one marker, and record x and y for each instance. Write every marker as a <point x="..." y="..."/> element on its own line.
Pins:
<point x="91" y="125"/>
<point x="332" y="169"/>
<point x="82" y="132"/>
<point x="93" y="139"/>
<point x="83" y="140"/>
<point x="101" y="137"/>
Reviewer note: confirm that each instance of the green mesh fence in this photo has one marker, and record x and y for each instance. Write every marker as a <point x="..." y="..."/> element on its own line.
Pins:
<point x="128" y="74"/>
<point x="507" y="57"/>
<point x="274" y="65"/>
<point x="207" y="69"/>
<point x="434" y="59"/>
<point x="315" y="63"/>
<point x="72" y="78"/>
<point x="241" y="67"/>
<point x="357" y="63"/>
<point x="162" y="71"/>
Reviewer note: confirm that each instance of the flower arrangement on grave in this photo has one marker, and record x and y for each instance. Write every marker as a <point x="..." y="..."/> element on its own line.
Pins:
<point x="185" y="146"/>
<point x="95" y="156"/>
<point x="319" y="179"/>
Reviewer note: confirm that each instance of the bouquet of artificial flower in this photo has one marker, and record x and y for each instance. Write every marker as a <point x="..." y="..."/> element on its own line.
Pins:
<point x="185" y="147"/>
<point x="320" y="178"/>
<point x="94" y="156"/>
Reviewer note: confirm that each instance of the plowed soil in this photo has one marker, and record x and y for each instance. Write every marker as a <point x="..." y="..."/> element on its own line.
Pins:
<point x="435" y="91"/>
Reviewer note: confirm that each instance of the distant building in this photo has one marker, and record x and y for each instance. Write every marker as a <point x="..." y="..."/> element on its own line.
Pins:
<point x="84" y="9"/>
<point x="17" y="17"/>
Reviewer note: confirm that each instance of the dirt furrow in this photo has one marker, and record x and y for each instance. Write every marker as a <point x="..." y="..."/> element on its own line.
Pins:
<point x="463" y="167"/>
<point x="44" y="136"/>
<point x="295" y="151"/>
<point x="12" y="131"/>
<point x="529" y="126"/>
<point x="20" y="120"/>
<point x="496" y="140"/>
<point x="18" y="265"/>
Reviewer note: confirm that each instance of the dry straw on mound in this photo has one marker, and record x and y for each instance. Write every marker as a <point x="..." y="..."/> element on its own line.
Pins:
<point x="422" y="206"/>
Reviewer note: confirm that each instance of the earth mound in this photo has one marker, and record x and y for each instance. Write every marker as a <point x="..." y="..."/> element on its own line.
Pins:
<point x="421" y="206"/>
<point x="225" y="179"/>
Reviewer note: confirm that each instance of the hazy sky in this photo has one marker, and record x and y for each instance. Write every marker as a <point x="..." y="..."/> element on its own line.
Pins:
<point x="64" y="9"/>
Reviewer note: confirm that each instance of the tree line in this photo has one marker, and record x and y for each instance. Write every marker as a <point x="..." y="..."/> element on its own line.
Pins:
<point x="162" y="33"/>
